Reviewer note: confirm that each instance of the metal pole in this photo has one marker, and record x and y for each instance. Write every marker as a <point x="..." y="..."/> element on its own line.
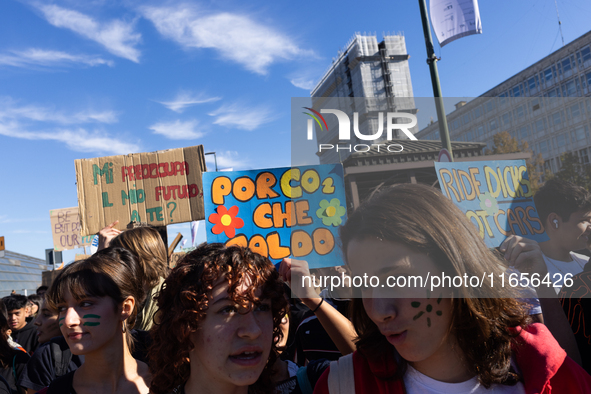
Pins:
<point x="215" y="159"/>
<point x="559" y="23"/>
<point x="432" y="61"/>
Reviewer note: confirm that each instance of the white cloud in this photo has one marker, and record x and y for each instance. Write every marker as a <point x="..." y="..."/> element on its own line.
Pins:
<point x="242" y="117"/>
<point x="117" y="36"/>
<point x="4" y="219"/>
<point x="9" y="109"/>
<point x="178" y="130"/>
<point x="32" y="122"/>
<point x="226" y="159"/>
<point x="84" y="141"/>
<point x="307" y="75"/>
<point x="303" y="83"/>
<point x="78" y="139"/>
<point x="35" y="57"/>
<point x="236" y="37"/>
<point x="187" y="99"/>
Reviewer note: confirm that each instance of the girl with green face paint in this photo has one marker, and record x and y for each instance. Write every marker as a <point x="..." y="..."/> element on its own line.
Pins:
<point x="97" y="301"/>
<point x="452" y="339"/>
<point x="91" y="323"/>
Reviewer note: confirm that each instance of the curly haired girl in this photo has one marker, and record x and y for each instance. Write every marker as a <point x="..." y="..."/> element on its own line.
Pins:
<point x="218" y="323"/>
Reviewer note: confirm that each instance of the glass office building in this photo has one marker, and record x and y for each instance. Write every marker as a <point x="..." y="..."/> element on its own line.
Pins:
<point x="20" y="273"/>
<point x="548" y="105"/>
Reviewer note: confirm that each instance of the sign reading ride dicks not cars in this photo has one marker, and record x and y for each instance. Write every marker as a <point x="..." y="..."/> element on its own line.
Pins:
<point x="495" y="195"/>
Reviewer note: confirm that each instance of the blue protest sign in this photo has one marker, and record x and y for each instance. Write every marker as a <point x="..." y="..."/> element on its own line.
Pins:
<point x="279" y="212"/>
<point x="495" y="195"/>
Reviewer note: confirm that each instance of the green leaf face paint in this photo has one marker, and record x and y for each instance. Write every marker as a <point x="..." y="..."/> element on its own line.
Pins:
<point x="91" y="324"/>
<point x="428" y="308"/>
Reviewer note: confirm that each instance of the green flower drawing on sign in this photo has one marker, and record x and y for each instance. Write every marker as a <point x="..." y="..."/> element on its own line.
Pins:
<point x="488" y="203"/>
<point x="331" y="212"/>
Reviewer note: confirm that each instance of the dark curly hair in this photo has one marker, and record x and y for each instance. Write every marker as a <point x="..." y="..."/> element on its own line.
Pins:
<point x="183" y="303"/>
<point x="6" y="351"/>
<point x="421" y="218"/>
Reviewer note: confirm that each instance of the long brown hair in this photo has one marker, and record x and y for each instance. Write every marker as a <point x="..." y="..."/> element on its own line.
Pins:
<point x="6" y="351"/>
<point x="146" y="243"/>
<point x="424" y="220"/>
<point x="183" y="304"/>
<point x="110" y="272"/>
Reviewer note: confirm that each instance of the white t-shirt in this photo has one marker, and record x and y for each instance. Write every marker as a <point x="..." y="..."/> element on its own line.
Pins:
<point x="417" y="383"/>
<point x="558" y="269"/>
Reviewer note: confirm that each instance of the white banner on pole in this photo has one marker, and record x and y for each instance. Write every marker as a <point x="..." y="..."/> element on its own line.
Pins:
<point x="194" y="230"/>
<point x="453" y="19"/>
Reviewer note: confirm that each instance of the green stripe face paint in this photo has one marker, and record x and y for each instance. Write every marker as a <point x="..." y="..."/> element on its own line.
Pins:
<point x="91" y="324"/>
<point x="60" y="321"/>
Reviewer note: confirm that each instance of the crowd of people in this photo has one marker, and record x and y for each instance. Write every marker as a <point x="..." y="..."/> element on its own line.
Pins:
<point x="226" y="320"/>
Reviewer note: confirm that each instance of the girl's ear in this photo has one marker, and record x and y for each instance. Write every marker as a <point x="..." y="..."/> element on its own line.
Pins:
<point x="127" y="309"/>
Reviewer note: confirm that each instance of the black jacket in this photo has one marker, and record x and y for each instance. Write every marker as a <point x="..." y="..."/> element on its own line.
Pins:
<point x="26" y="337"/>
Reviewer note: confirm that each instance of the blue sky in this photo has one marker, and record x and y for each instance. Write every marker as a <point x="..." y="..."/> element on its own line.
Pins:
<point x="99" y="77"/>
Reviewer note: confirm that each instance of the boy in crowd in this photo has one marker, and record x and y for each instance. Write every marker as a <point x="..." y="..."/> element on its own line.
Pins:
<point x="41" y="290"/>
<point x="23" y="333"/>
<point x="565" y="211"/>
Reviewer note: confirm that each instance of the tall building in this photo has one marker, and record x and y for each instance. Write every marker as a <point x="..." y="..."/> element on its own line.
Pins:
<point x="20" y="273"/>
<point x="377" y="77"/>
<point x="548" y="105"/>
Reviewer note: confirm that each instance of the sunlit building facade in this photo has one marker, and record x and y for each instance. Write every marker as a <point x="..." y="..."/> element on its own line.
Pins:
<point x="375" y="72"/>
<point x="548" y="105"/>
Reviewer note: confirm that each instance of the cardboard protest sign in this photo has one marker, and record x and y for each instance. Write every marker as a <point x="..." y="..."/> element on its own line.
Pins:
<point x="158" y="188"/>
<point x="65" y="228"/>
<point x="495" y="195"/>
<point x="279" y="212"/>
<point x="175" y="259"/>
